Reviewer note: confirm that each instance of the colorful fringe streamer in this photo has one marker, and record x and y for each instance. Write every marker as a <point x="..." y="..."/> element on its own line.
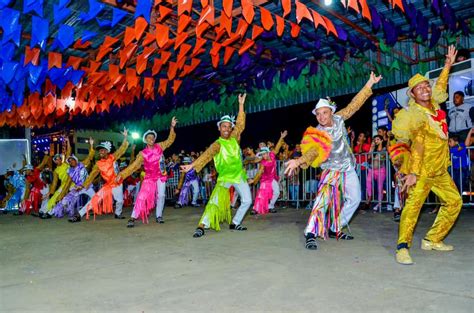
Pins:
<point x="314" y="138"/>
<point x="146" y="199"/>
<point x="328" y="205"/>
<point x="218" y="208"/>
<point x="264" y="195"/>
<point x="102" y="202"/>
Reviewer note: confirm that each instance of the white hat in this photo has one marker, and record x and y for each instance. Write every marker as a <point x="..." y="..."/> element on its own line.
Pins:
<point x="150" y="131"/>
<point x="107" y="145"/>
<point x="58" y="156"/>
<point x="187" y="160"/>
<point x="72" y="157"/>
<point x="123" y="165"/>
<point x="325" y="103"/>
<point x="28" y="167"/>
<point x="262" y="151"/>
<point x="227" y="119"/>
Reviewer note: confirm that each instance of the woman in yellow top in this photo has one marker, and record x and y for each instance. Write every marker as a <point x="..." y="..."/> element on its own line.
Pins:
<point x="422" y="128"/>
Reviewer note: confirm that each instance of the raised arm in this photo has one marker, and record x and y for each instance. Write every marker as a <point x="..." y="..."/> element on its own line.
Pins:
<point x="123" y="147"/>
<point x="68" y="147"/>
<point x="442" y="82"/>
<point x="44" y="162"/>
<point x="304" y="161"/>
<point x="205" y="158"/>
<point x="87" y="161"/>
<point x="171" y="137"/>
<point x="132" y="168"/>
<point x="93" y="174"/>
<point x="181" y="181"/>
<point x="359" y="98"/>
<point x="132" y="153"/>
<point x="240" y="122"/>
<point x="280" y="142"/>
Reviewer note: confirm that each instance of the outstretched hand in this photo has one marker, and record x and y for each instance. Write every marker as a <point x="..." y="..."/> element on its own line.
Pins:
<point x="451" y="56"/>
<point x="373" y="79"/>
<point x="410" y="180"/>
<point x="174" y="121"/>
<point x="91" y="141"/>
<point x="283" y="134"/>
<point x="125" y="132"/>
<point x="242" y="97"/>
<point x="290" y="167"/>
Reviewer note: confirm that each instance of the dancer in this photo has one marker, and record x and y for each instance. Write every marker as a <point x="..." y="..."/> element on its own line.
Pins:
<point x="16" y="186"/>
<point x="339" y="192"/>
<point x="227" y="157"/>
<point x="187" y="181"/>
<point x="422" y="128"/>
<point x="269" y="189"/>
<point x="59" y="174"/>
<point x="102" y="201"/>
<point x="36" y="189"/>
<point x="153" y="187"/>
<point x="77" y="176"/>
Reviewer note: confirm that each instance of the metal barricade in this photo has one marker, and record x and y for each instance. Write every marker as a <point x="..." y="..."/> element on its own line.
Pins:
<point x="375" y="172"/>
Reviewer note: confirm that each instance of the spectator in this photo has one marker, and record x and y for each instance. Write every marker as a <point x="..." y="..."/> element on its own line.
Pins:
<point x="297" y="152"/>
<point x="460" y="117"/>
<point x="377" y="171"/>
<point x="459" y="163"/>
<point x="361" y="149"/>
<point x="294" y="186"/>
<point x="463" y="55"/>
<point x="382" y="131"/>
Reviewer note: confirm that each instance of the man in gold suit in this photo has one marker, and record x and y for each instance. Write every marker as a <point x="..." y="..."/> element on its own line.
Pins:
<point x="422" y="126"/>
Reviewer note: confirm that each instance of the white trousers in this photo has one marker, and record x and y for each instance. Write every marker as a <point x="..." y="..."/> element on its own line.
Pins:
<point x="45" y="199"/>
<point x="117" y="194"/>
<point x="352" y="197"/>
<point x="243" y="190"/>
<point x="276" y="194"/>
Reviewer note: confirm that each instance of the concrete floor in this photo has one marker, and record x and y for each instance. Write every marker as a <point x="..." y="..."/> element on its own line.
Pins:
<point x="101" y="266"/>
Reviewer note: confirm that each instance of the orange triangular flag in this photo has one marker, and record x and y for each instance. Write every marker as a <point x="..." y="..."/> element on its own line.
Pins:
<point x="229" y="51"/>
<point x="399" y="4"/>
<point x="226" y="23"/>
<point x="215" y="48"/>
<point x="176" y="84"/>
<point x="247" y="10"/>
<point x="207" y="15"/>
<point x="149" y="38"/>
<point x="162" y="34"/>
<point x="295" y="30"/>
<point x="183" y="22"/>
<point x="365" y="10"/>
<point x="141" y="64"/>
<point x="247" y="44"/>
<point x="31" y="55"/>
<point x="126" y="53"/>
<point x="180" y="39"/>
<point x="242" y="28"/>
<point x="256" y="31"/>
<point x="55" y="59"/>
<point x="280" y="25"/>
<point x="215" y="60"/>
<point x="353" y="5"/>
<point x="132" y="79"/>
<point x="286" y="4"/>
<point x="330" y="27"/>
<point x="185" y="6"/>
<point x="185" y="48"/>
<point x="140" y="25"/>
<point x="172" y="69"/>
<point x="75" y="62"/>
<point x="163" y="86"/>
<point x="165" y="56"/>
<point x="129" y="35"/>
<point x="302" y="12"/>
<point x="81" y="45"/>
<point x="147" y="51"/>
<point x="318" y="19"/>
<point x="103" y="51"/>
<point x="227" y="7"/>
<point x="200" y="42"/>
<point x="164" y="12"/>
<point x="109" y="41"/>
<point x="266" y="19"/>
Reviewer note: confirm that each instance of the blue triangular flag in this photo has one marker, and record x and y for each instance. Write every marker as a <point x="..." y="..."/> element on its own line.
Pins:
<point x="63" y="3"/>
<point x="103" y="23"/>
<point x="8" y="71"/>
<point x="117" y="16"/>
<point x="94" y="9"/>
<point x="65" y="36"/>
<point x="143" y="9"/>
<point x="87" y="35"/>
<point x="4" y="3"/>
<point x="8" y="51"/>
<point x="39" y="32"/>
<point x="60" y="13"/>
<point x="33" y="5"/>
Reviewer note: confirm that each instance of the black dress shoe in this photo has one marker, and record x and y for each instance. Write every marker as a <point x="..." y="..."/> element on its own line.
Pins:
<point x="75" y="219"/>
<point x="237" y="227"/>
<point x="46" y="216"/>
<point x="119" y="217"/>
<point x="272" y="211"/>
<point x="131" y="223"/>
<point x="159" y="220"/>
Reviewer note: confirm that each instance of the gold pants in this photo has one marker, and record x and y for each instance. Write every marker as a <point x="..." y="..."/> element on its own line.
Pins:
<point x="443" y="186"/>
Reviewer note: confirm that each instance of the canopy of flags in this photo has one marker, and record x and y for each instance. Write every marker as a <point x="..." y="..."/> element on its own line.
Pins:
<point x="89" y="61"/>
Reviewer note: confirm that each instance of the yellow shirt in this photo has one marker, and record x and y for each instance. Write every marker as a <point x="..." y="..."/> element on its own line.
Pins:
<point x="422" y="129"/>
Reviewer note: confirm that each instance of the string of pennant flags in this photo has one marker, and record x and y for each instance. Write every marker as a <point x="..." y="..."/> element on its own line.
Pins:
<point x="54" y="70"/>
